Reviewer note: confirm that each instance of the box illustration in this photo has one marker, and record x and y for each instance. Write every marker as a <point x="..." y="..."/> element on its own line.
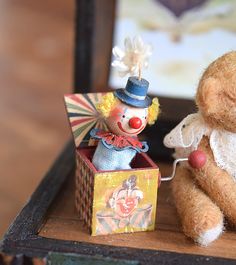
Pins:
<point x="116" y="201"/>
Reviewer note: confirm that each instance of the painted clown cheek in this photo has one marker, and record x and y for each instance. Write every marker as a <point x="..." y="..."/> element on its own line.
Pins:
<point x="113" y="119"/>
<point x="116" y="114"/>
<point x="118" y="121"/>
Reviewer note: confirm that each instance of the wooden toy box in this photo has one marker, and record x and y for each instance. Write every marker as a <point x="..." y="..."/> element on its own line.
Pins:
<point x="116" y="201"/>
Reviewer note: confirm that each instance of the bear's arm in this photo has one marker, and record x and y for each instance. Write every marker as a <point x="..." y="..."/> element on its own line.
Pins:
<point x="217" y="183"/>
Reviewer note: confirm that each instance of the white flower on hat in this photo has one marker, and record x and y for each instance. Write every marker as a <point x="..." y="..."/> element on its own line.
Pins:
<point x="133" y="58"/>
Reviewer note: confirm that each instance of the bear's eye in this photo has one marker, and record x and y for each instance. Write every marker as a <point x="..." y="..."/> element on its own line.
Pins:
<point x="145" y="117"/>
<point x="123" y="116"/>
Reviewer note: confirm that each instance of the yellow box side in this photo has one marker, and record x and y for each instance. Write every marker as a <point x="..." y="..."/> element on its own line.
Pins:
<point x="125" y="201"/>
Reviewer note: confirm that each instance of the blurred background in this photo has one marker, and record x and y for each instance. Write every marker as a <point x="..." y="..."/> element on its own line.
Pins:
<point x="36" y="68"/>
<point x="186" y="36"/>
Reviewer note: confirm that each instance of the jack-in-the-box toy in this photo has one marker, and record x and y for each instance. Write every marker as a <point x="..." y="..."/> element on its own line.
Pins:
<point x="116" y="181"/>
<point x="126" y="111"/>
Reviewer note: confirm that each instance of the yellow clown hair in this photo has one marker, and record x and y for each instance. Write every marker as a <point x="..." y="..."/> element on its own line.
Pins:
<point x="108" y="103"/>
<point x="153" y="111"/>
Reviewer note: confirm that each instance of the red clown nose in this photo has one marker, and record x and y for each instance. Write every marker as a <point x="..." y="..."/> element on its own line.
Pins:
<point x="135" y="123"/>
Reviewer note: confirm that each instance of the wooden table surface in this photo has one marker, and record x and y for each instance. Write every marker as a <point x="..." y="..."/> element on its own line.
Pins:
<point x="36" y="69"/>
<point x="62" y="222"/>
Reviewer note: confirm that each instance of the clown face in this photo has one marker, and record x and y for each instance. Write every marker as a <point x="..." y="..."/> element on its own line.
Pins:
<point x="125" y="201"/>
<point x="125" y="205"/>
<point x="126" y="120"/>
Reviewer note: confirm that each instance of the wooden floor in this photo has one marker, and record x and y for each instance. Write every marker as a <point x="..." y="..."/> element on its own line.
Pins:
<point x="62" y="222"/>
<point x="36" y="66"/>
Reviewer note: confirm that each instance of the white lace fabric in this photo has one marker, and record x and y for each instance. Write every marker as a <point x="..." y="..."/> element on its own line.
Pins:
<point x="186" y="136"/>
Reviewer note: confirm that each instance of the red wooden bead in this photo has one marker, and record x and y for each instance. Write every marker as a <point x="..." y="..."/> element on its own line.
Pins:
<point x="197" y="159"/>
<point x="135" y="123"/>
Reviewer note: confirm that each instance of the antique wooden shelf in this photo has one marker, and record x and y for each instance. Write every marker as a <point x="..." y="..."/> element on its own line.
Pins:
<point x="49" y="223"/>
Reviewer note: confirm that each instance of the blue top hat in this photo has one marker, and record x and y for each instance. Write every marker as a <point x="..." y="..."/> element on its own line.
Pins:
<point x="135" y="93"/>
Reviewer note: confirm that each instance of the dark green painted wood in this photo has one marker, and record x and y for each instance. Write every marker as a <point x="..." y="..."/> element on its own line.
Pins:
<point x="55" y="258"/>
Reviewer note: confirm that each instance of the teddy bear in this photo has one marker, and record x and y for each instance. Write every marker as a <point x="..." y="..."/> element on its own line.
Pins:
<point x="205" y="195"/>
<point x="126" y="113"/>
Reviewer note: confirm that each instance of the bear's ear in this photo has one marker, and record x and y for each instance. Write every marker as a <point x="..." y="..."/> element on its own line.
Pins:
<point x="208" y="95"/>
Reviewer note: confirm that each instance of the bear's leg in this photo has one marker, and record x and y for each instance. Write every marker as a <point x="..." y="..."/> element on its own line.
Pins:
<point x="201" y="219"/>
<point x="217" y="183"/>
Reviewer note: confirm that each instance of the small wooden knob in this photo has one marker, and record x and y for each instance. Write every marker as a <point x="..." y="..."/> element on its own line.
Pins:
<point x="197" y="159"/>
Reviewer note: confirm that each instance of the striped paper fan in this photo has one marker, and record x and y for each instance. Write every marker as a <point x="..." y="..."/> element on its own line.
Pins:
<point x="83" y="115"/>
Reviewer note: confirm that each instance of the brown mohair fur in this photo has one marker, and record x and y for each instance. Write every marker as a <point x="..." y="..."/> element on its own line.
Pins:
<point x="197" y="211"/>
<point x="201" y="205"/>
<point x="216" y="93"/>
<point x="217" y="183"/>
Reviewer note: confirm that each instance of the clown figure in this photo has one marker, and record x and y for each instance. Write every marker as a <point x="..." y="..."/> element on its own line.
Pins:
<point x="125" y="209"/>
<point x="126" y="112"/>
<point x="125" y="199"/>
